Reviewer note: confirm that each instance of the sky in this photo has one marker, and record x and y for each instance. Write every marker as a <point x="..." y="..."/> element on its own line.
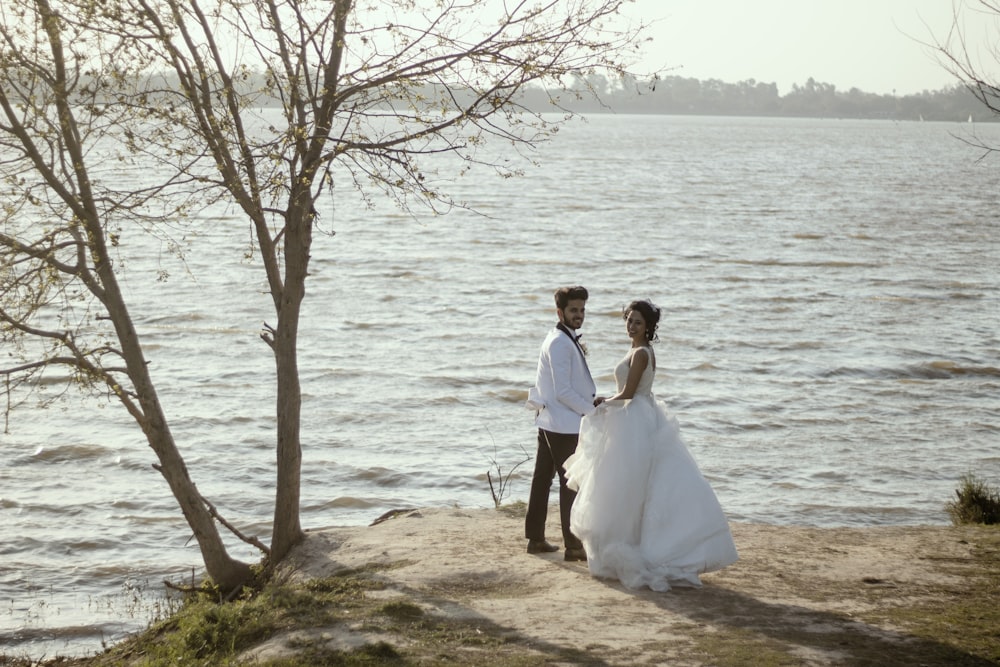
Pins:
<point x="868" y="44"/>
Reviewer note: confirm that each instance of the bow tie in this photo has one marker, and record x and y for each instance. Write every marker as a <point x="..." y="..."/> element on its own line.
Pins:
<point x="573" y="335"/>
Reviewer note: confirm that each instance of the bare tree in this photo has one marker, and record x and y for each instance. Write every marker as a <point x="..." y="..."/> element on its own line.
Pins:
<point x="61" y="307"/>
<point x="368" y="91"/>
<point x="962" y="58"/>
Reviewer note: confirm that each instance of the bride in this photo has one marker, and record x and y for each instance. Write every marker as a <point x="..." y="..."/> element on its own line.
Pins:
<point x="644" y="512"/>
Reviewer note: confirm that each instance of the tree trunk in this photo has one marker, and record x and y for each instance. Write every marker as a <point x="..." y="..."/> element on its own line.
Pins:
<point x="226" y="572"/>
<point x="287" y="530"/>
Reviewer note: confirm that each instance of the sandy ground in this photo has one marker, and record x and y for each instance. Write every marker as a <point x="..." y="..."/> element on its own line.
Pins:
<point x="803" y="589"/>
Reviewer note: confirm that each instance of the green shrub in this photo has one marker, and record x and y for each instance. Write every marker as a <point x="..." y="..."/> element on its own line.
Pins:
<point x="976" y="502"/>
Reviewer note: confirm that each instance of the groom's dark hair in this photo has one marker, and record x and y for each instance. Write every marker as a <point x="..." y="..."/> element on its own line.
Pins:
<point x="566" y="294"/>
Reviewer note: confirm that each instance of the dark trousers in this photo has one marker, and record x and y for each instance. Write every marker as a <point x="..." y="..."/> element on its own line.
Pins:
<point x="553" y="450"/>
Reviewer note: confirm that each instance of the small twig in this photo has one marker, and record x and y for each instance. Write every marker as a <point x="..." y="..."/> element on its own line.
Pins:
<point x="183" y="589"/>
<point x="489" y="478"/>
<point x="503" y="481"/>
<point x="249" y="540"/>
<point x="268" y="334"/>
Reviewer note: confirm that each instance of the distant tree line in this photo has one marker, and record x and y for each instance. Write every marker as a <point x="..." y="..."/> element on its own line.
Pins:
<point x="596" y="93"/>
<point x="680" y="95"/>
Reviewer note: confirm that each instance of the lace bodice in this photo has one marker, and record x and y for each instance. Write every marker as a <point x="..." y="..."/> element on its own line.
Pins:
<point x="645" y="382"/>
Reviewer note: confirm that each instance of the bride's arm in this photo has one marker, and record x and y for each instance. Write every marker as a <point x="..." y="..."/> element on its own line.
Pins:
<point x="636" y="367"/>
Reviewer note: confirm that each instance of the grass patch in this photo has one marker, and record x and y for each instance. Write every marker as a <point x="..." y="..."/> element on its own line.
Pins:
<point x="204" y="632"/>
<point x="463" y="589"/>
<point x="964" y="618"/>
<point x="976" y="503"/>
<point x="953" y="623"/>
<point x="401" y="610"/>
<point x="379" y="653"/>
<point x="515" y="509"/>
<point x="737" y="647"/>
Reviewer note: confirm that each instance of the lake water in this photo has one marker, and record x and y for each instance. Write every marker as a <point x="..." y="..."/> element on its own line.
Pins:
<point x="830" y="345"/>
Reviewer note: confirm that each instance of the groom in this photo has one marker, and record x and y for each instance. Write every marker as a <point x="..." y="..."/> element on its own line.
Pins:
<point x="563" y="393"/>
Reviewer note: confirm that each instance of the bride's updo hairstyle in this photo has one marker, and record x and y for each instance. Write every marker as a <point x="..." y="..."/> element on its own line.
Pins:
<point x="649" y="312"/>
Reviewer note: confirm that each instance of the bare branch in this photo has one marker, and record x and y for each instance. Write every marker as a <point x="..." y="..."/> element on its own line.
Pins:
<point x="232" y="529"/>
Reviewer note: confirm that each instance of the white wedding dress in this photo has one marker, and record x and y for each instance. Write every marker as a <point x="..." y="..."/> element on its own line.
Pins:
<point x="644" y="512"/>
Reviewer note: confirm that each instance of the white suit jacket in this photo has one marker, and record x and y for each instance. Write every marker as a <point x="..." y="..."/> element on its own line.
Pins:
<point x="564" y="389"/>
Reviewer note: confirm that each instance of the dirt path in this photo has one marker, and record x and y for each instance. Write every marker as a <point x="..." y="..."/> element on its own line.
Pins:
<point x="797" y="595"/>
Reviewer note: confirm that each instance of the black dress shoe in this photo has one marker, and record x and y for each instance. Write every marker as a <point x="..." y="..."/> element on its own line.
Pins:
<point x="541" y="547"/>
<point x="576" y="554"/>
